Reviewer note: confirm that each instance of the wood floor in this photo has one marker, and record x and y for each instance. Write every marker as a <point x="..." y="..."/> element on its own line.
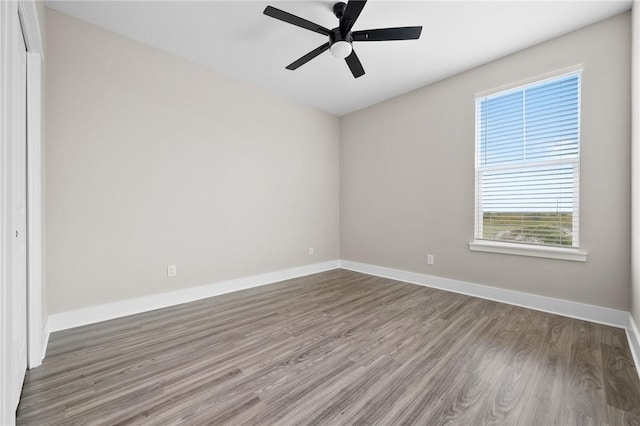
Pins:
<point x="336" y="348"/>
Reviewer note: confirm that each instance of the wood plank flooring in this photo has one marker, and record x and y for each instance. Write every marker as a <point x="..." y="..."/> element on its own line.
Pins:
<point x="336" y="348"/>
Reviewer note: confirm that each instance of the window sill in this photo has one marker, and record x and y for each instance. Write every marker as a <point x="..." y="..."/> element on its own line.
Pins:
<point x="529" y="250"/>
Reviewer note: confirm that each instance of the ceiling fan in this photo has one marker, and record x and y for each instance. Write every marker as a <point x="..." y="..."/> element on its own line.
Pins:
<point x="341" y="37"/>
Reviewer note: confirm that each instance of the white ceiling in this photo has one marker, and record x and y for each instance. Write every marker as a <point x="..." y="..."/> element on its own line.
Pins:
<point x="236" y="38"/>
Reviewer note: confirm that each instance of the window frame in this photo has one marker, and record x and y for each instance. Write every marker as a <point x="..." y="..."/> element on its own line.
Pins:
<point x="574" y="252"/>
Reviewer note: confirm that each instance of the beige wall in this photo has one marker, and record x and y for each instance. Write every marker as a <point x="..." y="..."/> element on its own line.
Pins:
<point x="152" y="160"/>
<point x="407" y="175"/>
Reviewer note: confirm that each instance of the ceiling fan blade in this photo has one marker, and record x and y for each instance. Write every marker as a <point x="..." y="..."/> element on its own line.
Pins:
<point x="295" y="20"/>
<point x="309" y="56"/>
<point x="354" y="65"/>
<point x="383" y="34"/>
<point x="351" y="13"/>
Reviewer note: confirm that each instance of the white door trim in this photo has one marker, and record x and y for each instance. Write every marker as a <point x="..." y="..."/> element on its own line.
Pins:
<point x="7" y="11"/>
<point x="30" y="26"/>
<point x="35" y="322"/>
<point x="33" y="39"/>
<point x="28" y="15"/>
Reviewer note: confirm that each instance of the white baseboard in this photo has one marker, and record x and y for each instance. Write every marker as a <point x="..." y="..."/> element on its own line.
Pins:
<point x="93" y="314"/>
<point x="592" y="313"/>
<point x="582" y="311"/>
<point x="633" y="337"/>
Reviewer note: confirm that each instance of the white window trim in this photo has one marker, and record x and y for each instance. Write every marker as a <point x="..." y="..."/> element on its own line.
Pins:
<point x="533" y="250"/>
<point x="522" y="84"/>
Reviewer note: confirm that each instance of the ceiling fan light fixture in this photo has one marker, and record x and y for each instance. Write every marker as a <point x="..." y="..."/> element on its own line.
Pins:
<point x="341" y="49"/>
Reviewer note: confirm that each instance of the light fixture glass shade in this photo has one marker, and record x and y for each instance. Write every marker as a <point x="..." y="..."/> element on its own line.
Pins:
<point x="341" y="49"/>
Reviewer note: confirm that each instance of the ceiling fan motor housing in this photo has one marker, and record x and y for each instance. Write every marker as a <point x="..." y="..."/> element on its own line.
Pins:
<point x="337" y="35"/>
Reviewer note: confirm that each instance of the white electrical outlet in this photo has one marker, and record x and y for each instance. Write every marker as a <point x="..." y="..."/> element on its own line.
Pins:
<point x="310" y="251"/>
<point x="172" y="270"/>
<point x="429" y="259"/>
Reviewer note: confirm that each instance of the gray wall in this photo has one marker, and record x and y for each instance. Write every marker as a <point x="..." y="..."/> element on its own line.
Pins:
<point x="407" y="175"/>
<point x="152" y="160"/>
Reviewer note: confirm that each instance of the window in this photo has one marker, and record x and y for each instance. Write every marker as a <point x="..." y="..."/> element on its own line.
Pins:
<point x="528" y="165"/>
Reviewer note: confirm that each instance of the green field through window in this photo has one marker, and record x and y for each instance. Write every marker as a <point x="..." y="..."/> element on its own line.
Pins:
<point x="530" y="228"/>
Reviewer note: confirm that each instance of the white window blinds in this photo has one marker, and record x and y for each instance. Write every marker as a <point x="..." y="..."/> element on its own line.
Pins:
<point x="528" y="163"/>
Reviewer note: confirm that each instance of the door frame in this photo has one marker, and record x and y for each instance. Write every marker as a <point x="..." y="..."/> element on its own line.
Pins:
<point x="36" y="326"/>
<point x="37" y="334"/>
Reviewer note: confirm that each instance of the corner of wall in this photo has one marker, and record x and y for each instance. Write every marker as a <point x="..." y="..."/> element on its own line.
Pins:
<point x="633" y="338"/>
<point x="635" y="176"/>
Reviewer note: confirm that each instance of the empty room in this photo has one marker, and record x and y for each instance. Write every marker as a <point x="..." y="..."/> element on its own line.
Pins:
<point x="319" y="212"/>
